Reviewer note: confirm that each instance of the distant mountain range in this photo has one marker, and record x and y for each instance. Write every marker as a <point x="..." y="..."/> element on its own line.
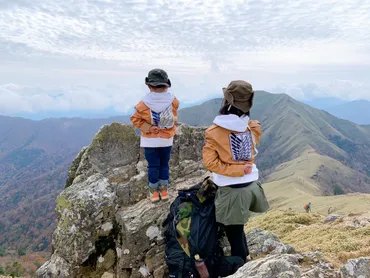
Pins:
<point x="291" y="127"/>
<point x="34" y="162"/>
<point x="357" y="111"/>
<point x="325" y="103"/>
<point x="305" y="154"/>
<point x="302" y="146"/>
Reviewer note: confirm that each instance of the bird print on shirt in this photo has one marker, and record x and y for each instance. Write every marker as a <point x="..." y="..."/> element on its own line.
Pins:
<point x="164" y="119"/>
<point x="241" y="146"/>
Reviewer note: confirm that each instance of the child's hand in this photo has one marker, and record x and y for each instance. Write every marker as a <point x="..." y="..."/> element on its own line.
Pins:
<point x="247" y="169"/>
<point x="154" y="129"/>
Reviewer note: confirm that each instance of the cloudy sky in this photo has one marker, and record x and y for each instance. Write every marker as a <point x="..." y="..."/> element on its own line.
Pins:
<point x="84" y="57"/>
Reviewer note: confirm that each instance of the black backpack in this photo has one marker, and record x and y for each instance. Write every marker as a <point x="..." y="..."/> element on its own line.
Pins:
<point x="203" y="239"/>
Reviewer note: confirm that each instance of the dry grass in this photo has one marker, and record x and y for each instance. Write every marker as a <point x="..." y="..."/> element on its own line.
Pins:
<point x="291" y="186"/>
<point x="307" y="233"/>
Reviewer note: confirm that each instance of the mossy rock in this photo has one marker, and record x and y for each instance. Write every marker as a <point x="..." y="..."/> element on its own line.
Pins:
<point x="73" y="168"/>
<point x="115" y="132"/>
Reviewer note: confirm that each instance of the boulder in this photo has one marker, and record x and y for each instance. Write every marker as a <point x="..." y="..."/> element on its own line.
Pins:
<point x="332" y="218"/>
<point x="272" y="266"/>
<point x="263" y="242"/>
<point x="359" y="268"/>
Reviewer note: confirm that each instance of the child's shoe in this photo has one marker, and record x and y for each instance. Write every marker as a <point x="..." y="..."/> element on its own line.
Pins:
<point x="154" y="195"/>
<point x="164" y="193"/>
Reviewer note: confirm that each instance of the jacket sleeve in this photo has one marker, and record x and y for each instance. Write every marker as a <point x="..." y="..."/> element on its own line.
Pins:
<point x="255" y="127"/>
<point x="138" y="121"/>
<point x="175" y="108"/>
<point x="214" y="164"/>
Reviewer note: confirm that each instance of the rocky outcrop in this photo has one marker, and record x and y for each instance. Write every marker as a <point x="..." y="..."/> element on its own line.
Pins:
<point x="282" y="260"/>
<point x="314" y="266"/>
<point x="272" y="266"/>
<point x="108" y="229"/>
<point x="262" y="242"/>
<point x="331" y="218"/>
<point x="106" y="226"/>
<point x="359" y="221"/>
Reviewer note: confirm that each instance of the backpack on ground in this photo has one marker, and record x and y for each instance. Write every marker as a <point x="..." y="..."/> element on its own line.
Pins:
<point x="192" y="230"/>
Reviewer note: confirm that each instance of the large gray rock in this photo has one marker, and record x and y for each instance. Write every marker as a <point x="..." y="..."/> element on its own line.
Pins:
<point x="106" y="225"/>
<point x="140" y="241"/>
<point x="272" y="266"/>
<point x="263" y="242"/>
<point x="86" y="216"/>
<point x="315" y="266"/>
<point x="332" y="218"/>
<point x="318" y="271"/>
<point x="359" y="268"/>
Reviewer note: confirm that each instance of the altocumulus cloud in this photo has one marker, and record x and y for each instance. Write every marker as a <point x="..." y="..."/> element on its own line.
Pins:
<point x="95" y="54"/>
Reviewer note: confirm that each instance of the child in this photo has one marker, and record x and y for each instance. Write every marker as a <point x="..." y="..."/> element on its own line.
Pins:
<point x="229" y="153"/>
<point x="156" y="117"/>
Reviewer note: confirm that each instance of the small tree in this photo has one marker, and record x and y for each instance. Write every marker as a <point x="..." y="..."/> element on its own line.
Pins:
<point x="16" y="270"/>
<point x="22" y="252"/>
<point x="338" y="190"/>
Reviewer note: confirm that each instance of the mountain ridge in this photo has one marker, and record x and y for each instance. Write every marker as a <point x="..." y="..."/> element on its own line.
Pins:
<point x="356" y="111"/>
<point x="44" y="149"/>
<point x="104" y="231"/>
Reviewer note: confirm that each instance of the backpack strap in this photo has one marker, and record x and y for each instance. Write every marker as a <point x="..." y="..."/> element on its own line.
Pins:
<point x="254" y="143"/>
<point x="181" y="268"/>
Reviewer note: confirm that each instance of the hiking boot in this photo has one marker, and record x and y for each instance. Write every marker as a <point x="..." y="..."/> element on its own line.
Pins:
<point x="164" y="193"/>
<point x="154" y="196"/>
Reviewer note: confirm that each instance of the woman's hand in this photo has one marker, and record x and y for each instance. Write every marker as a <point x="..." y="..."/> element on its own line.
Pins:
<point x="154" y="129"/>
<point x="247" y="169"/>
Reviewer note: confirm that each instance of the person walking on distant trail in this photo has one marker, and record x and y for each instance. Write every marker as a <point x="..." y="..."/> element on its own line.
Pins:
<point x="229" y="152"/>
<point x="156" y="116"/>
<point x="307" y="207"/>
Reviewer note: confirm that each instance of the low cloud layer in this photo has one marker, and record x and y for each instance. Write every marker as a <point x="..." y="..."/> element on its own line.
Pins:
<point x="76" y="55"/>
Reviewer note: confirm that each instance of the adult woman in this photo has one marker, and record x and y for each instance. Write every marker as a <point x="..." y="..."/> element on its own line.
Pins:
<point x="229" y="153"/>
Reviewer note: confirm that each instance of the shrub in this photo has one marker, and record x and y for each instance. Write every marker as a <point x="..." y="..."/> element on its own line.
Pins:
<point x="338" y="190"/>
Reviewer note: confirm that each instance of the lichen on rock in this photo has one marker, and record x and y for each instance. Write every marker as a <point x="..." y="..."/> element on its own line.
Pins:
<point x="359" y="268"/>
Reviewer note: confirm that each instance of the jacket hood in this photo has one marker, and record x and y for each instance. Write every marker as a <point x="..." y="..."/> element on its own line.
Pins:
<point x="158" y="102"/>
<point x="232" y="122"/>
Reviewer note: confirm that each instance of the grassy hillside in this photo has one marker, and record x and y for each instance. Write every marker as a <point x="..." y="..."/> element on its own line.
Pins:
<point x="202" y="114"/>
<point x="314" y="168"/>
<point x="306" y="153"/>
<point x="291" y="128"/>
<point x="338" y="241"/>
<point x="309" y="177"/>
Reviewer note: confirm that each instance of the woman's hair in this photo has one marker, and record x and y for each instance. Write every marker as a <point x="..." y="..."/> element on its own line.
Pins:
<point x="227" y="110"/>
<point x="158" y="86"/>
